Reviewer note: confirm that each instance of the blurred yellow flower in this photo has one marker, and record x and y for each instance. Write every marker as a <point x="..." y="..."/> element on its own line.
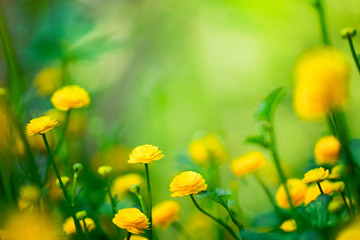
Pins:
<point x="131" y="219"/>
<point x="338" y="186"/>
<point x="69" y="225"/>
<point x="336" y="172"/>
<point x="315" y="175"/>
<point x="28" y="195"/>
<point x="145" y="154"/>
<point x="322" y="79"/>
<point x="31" y="226"/>
<point x="337" y="203"/>
<point x="48" y="80"/>
<point x="121" y="184"/>
<point x="40" y="125"/>
<point x="71" y="96"/>
<point x="313" y="191"/>
<point x="352" y="231"/>
<point x="105" y="170"/>
<point x="327" y="150"/>
<point x="288" y="225"/>
<point x="187" y="183"/>
<point x="165" y="213"/>
<point x="297" y="191"/>
<point x="137" y="237"/>
<point x="77" y="121"/>
<point x="64" y="179"/>
<point x="206" y="149"/>
<point x="248" y="163"/>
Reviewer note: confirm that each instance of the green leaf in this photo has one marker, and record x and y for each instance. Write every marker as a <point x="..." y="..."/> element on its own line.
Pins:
<point x="317" y="211"/>
<point x="267" y="107"/>
<point x="259" y="140"/>
<point x="269" y="219"/>
<point x="219" y="195"/>
<point x="355" y="149"/>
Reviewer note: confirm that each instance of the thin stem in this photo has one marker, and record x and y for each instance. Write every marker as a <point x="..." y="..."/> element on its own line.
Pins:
<point x="74" y="188"/>
<point x="319" y="5"/>
<point x="178" y="227"/>
<point x="86" y="229"/>
<point x="348" y="190"/>
<point x="345" y="202"/>
<point x="141" y="200"/>
<point x="149" y="200"/>
<point x="353" y="52"/>
<point x="128" y="236"/>
<point x="112" y="202"/>
<point x="7" y="185"/>
<point x="321" y="191"/>
<point x="220" y="222"/>
<point x="72" y="210"/>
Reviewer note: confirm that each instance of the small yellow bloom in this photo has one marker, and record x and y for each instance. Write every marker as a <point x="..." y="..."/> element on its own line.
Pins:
<point x="327" y="150"/>
<point x="131" y="219"/>
<point x="297" y="191"/>
<point x="137" y="237"/>
<point x="65" y="180"/>
<point x="288" y="225"/>
<point x="105" y="170"/>
<point x="48" y="80"/>
<point x="145" y="154"/>
<point x="71" y="96"/>
<point x="248" y="163"/>
<point x="336" y="172"/>
<point x="165" y="213"/>
<point x="352" y="231"/>
<point x="206" y="149"/>
<point x="338" y="186"/>
<point x="40" y="125"/>
<point x="322" y="79"/>
<point x="313" y="191"/>
<point x="337" y="203"/>
<point x="69" y="225"/>
<point x="315" y="175"/>
<point x="122" y="184"/>
<point x="187" y="183"/>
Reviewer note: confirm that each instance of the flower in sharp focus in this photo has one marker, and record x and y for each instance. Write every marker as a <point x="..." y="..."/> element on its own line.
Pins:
<point x="351" y="231"/>
<point x="165" y="213"/>
<point x="48" y="80"/>
<point x="187" y="183"/>
<point x="313" y="191"/>
<point x="248" y="163"/>
<point x="297" y="191"/>
<point x="69" y="225"/>
<point x="40" y="125"/>
<point x="145" y="154"/>
<point x="327" y="150"/>
<point x="288" y="225"/>
<point x="315" y="175"/>
<point x="71" y="96"/>
<point x="322" y="79"/>
<point x="131" y="219"/>
<point x="122" y="184"/>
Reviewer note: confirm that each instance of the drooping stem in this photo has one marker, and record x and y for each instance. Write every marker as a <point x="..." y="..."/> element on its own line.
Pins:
<point x="319" y="5"/>
<point x="79" y="232"/>
<point x="353" y="52"/>
<point x="219" y="221"/>
<point x="345" y="202"/>
<point x="141" y="200"/>
<point x="149" y="200"/>
<point x="178" y="227"/>
<point x="319" y="186"/>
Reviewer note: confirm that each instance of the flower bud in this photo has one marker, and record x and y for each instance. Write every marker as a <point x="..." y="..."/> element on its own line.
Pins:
<point x="81" y="215"/>
<point x="77" y="167"/>
<point x="105" y="170"/>
<point x="135" y="189"/>
<point x="348" y="32"/>
<point x="65" y="180"/>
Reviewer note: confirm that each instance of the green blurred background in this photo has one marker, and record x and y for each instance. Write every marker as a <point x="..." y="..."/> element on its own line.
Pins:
<point x="163" y="72"/>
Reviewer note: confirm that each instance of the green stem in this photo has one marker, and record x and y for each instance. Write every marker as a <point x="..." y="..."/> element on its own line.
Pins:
<point x="74" y="188"/>
<point x="178" y="227"/>
<point x="318" y="184"/>
<point x="141" y="200"/>
<point x="220" y="222"/>
<point x="346" y="204"/>
<point x="7" y="185"/>
<point x="113" y="203"/>
<point x="62" y="133"/>
<point x="128" y="236"/>
<point x="353" y="52"/>
<point x="86" y="229"/>
<point x="72" y="210"/>
<point x="348" y="190"/>
<point x="149" y="200"/>
<point x="319" y="5"/>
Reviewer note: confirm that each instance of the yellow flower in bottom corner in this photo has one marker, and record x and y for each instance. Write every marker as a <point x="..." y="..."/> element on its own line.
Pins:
<point x="351" y="232"/>
<point x="315" y="175"/>
<point x="40" y="125"/>
<point x="288" y="225"/>
<point x="137" y="237"/>
<point x="248" y="163"/>
<point x="69" y="225"/>
<point x="187" y="183"/>
<point x="131" y="219"/>
<point x="165" y="213"/>
<point x="297" y="191"/>
<point x="327" y="150"/>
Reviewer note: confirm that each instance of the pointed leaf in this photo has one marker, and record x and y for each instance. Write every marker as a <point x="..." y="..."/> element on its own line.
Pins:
<point x="267" y="107"/>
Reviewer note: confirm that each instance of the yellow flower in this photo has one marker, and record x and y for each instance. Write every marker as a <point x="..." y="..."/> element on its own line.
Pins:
<point x="165" y="213"/>
<point x="322" y="77"/>
<point x="31" y="226"/>
<point x="29" y="195"/>
<point x="131" y="219"/>
<point x="336" y="172"/>
<point x="65" y="180"/>
<point x="145" y="154"/>
<point x="71" y="96"/>
<point x="40" y="125"/>
<point x="48" y="80"/>
<point x="338" y="186"/>
<point x="248" y="163"/>
<point x="327" y="150"/>
<point x="69" y="225"/>
<point x="105" y="170"/>
<point x="288" y="225"/>
<point x="297" y="191"/>
<point x="136" y="237"/>
<point x="121" y="184"/>
<point x="352" y="231"/>
<point x="337" y="203"/>
<point x="187" y="183"/>
<point x="206" y="149"/>
<point x="315" y="175"/>
<point x="313" y="191"/>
